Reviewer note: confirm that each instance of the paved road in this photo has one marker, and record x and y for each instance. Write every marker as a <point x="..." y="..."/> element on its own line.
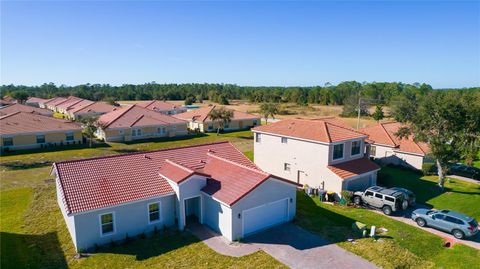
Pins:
<point x="289" y="244"/>
<point x="405" y="217"/>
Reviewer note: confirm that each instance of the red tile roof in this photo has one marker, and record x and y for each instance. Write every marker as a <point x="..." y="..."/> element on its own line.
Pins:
<point x="201" y="115"/>
<point x="107" y="181"/>
<point x="55" y="101"/>
<point x="90" y="106"/>
<point x="9" y="99"/>
<point x="316" y="130"/>
<point x="70" y="102"/>
<point x="134" y="116"/>
<point x="177" y="172"/>
<point x="353" y="168"/>
<point x="36" y="100"/>
<point x="23" y="108"/>
<point x="385" y="134"/>
<point x="23" y="122"/>
<point x="157" y="105"/>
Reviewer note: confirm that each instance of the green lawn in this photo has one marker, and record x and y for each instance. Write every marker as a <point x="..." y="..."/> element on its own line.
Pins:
<point x="403" y="246"/>
<point x="459" y="196"/>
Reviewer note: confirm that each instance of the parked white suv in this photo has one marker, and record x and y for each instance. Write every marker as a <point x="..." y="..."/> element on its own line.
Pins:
<point x="385" y="199"/>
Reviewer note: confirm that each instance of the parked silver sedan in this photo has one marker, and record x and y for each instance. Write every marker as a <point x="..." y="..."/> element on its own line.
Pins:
<point x="459" y="225"/>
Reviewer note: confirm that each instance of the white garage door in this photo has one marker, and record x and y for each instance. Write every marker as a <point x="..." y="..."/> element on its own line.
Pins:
<point x="264" y="216"/>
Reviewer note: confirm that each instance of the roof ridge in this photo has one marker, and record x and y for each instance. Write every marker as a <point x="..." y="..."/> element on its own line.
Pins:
<point x="11" y="114"/>
<point x="179" y="165"/>
<point x="121" y="114"/>
<point x="327" y="132"/>
<point x="137" y="153"/>
<point x="238" y="164"/>
<point x="206" y="116"/>
<point x="135" y="121"/>
<point x="78" y="101"/>
<point x="80" y="108"/>
<point x="388" y="135"/>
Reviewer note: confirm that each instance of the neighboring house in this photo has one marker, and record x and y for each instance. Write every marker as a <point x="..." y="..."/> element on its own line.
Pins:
<point x="19" y="107"/>
<point x="87" y="108"/>
<point x="385" y="146"/>
<point x="22" y="130"/>
<point x="4" y="103"/>
<point x="64" y="106"/>
<point x="135" y="122"/>
<point x="8" y="99"/>
<point x="198" y="120"/>
<point x="52" y="103"/>
<point x="105" y="199"/>
<point x="163" y="107"/>
<point x="318" y="153"/>
<point x="35" y="101"/>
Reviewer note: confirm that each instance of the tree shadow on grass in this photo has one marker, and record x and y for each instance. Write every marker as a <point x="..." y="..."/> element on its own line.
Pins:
<point x="54" y="148"/>
<point x="21" y="166"/>
<point x="166" y="139"/>
<point x="31" y="251"/>
<point x="154" y="245"/>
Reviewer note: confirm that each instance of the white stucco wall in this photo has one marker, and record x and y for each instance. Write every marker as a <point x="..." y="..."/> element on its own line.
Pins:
<point x="69" y="220"/>
<point x="390" y="155"/>
<point x="217" y="216"/>
<point x="308" y="156"/>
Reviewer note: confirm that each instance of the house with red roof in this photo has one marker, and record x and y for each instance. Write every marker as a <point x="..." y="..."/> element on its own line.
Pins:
<point x="321" y="153"/>
<point x="16" y="107"/>
<point x="198" y="120"/>
<point x="87" y="108"/>
<point x="385" y="146"/>
<point x="163" y="107"/>
<point x="136" y="122"/>
<point x="105" y="199"/>
<point x="27" y="130"/>
<point x="35" y="101"/>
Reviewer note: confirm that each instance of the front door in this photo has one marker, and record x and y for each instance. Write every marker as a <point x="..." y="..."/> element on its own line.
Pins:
<point x="192" y="209"/>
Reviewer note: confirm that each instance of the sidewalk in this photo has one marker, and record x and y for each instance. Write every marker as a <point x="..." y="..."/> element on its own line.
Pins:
<point x="467" y="179"/>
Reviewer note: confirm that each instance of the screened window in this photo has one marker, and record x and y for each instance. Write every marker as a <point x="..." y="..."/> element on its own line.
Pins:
<point x="355" y="148"/>
<point x="7" y="141"/>
<point x="284" y="140"/>
<point x="69" y="136"/>
<point x="258" y="138"/>
<point x="373" y="151"/>
<point x="286" y="167"/>
<point x="106" y="221"/>
<point x="40" y="139"/>
<point x="338" y="151"/>
<point x="154" y="212"/>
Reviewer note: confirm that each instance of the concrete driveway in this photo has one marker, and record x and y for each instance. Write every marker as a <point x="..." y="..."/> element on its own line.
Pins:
<point x="289" y="244"/>
<point x="406" y="215"/>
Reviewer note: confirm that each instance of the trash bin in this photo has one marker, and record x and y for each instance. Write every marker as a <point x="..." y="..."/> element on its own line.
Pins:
<point x="321" y="195"/>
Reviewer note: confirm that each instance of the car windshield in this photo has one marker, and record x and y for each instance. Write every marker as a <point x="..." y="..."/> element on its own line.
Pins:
<point x="473" y="223"/>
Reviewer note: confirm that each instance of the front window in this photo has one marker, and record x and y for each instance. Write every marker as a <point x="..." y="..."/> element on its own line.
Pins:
<point x="106" y="221"/>
<point x="286" y="167"/>
<point x="69" y="136"/>
<point x="7" y="141"/>
<point x="136" y="132"/>
<point x="373" y="151"/>
<point x="284" y="140"/>
<point x="338" y="151"/>
<point x="161" y="130"/>
<point x="258" y="138"/>
<point x="355" y="148"/>
<point x="154" y="212"/>
<point x="255" y="122"/>
<point x="40" y="139"/>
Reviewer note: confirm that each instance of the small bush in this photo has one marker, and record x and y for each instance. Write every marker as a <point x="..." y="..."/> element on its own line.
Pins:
<point x="429" y="169"/>
<point x="347" y="195"/>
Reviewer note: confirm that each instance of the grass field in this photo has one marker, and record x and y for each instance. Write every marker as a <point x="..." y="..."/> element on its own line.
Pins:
<point x="33" y="233"/>
<point x="459" y="196"/>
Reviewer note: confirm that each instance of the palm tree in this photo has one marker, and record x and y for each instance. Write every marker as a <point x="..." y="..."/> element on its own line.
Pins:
<point x="220" y="116"/>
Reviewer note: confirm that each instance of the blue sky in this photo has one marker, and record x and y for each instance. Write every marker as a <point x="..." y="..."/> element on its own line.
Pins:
<point x="247" y="43"/>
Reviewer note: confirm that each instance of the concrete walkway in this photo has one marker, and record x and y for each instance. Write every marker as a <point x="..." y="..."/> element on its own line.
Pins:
<point x="289" y="244"/>
<point x="466" y="179"/>
<point x="406" y="217"/>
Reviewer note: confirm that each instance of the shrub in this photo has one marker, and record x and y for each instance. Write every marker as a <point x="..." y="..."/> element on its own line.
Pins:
<point x="429" y="169"/>
<point x="347" y="195"/>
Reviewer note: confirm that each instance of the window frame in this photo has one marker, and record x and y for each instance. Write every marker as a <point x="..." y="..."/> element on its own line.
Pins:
<point x="10" y="143"/>
<point x="258" y="138"/>
<point x="359" y="148"/>
<point x="159" y="212"/>
<point x="343" y="151"/>
<point x="161" y="130"/>
<point x="68" y="134"/>
<point x="43" y="139"/>
<point x="284" y="140"/>
<point x="373" y="150"/>
<point x="287" y="167"/>
<point x="114" y="230"/>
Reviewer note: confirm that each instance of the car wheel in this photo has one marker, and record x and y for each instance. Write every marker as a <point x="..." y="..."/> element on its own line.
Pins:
<point x="404" y="204"/>
<point x="387" y="210"/>
<point x="458" y="234"/>
<point x="357" y="200"/>
<point x="421" y="222"/>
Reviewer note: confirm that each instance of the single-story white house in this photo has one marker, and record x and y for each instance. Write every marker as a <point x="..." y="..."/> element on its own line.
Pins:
<point x="107" y="198"/>
<point x="385" y="146"/>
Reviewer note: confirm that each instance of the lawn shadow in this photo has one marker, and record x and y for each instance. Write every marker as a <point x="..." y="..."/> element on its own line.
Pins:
<point x="151" y="246"/>
<point x="31" y="251"/>
<point x="54" y="148"/>
<point x="20" y="165"/>
<point x="165" y="139"/>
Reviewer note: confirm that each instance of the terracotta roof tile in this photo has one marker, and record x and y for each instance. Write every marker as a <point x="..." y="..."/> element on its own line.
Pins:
<point x="97" y="107"/>
<point x="23" y="108"/>
<point x="135" y="116"/>
<point x="70" y="102"/>
<point x="201" y="115"/>
<point x="353" y="168"/>
<point x="157" y="105"/>
<point x="316" y="130"/>
<point x="36" y="100"/>
<point x="23" y="122"/>
<point x="106" y="181"/>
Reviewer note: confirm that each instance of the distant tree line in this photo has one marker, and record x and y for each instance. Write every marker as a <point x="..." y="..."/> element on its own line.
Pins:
<point x="345" y="92"/>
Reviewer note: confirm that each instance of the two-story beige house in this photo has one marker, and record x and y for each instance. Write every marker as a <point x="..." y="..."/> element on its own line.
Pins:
<point x="320" y="153"/>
